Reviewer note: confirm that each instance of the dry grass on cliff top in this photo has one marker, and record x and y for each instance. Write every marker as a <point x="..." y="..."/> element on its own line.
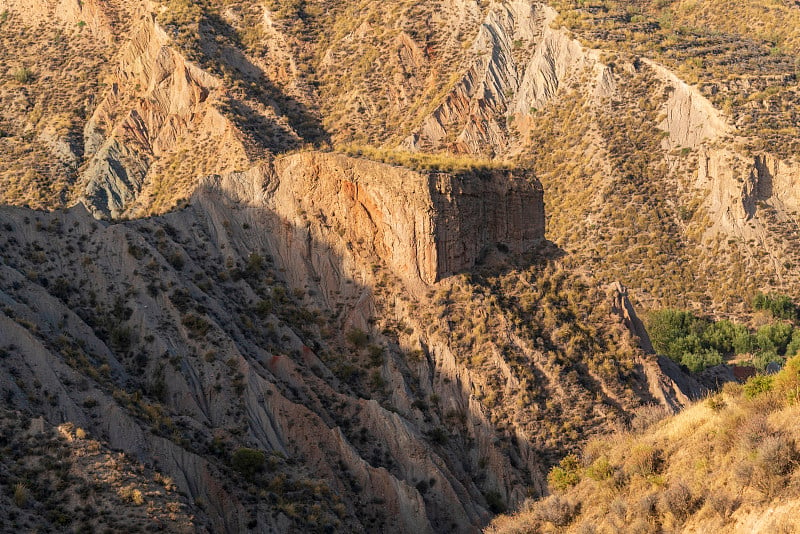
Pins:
<point x="729" y="462"/>
<point x="420" y="161"/>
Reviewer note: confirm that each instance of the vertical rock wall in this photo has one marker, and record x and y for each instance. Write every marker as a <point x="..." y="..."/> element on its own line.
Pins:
<point x="425" y="226"/>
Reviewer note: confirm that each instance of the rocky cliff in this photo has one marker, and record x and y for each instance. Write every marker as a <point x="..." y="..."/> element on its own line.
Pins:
<point x="260" y="316"/>
<point x="156" y="103"/>
<point x="426" y="226"/>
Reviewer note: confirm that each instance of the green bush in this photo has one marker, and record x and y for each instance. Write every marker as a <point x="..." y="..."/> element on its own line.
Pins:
<point x="23" y="75"/>
<point x="774" y="337"/>
<point x="565" y="474"/>
<point x="248" y="461"/>
<point x="763" y="358"/>
<point x="699" y="343"/>
<point x="726" y="337"/>
<point x="701" y="359"/>
<point x="781" y="306"/>
<point x="758" y="385"/>
<point x="794" y="345"/>
<point x="600" y="469"/>
<point x="666" y="327"/>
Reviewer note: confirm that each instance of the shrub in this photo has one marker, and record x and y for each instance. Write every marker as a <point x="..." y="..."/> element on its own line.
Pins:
<point x="774" y="337"/>
<point x="438" y="436"/>
<point x="678" y="500"/>
<point x="557" y="510"/>
<point x="495" y="502"/>
<point x="715" y="402"/>
<point x="176" y="260"/>
<point x="722" y="503"/>
<point x="701" y="359"/>
<point x="757" y="385"/>
<point x="565" y="474"/>
<point x="780" y="306"/>
<point x="787" y="382"/>
<point x="646" y="416"/>
<point x="794" y="345"/>
<point x="121" y="338"/>
<point x="600" y="469"/>
<point x="248" y="461"/>
<point x="21" y="494"/>
<point x="643" y="460"/>
<point x="358" y="338"/>
<point x="197" y="326"/>
<point x="137" y="498"/>
<point x="255" y="263"/>
<point x="263" y="308"/>
<point x="764" y="358"/>
<point x="23" y="75"/>
<point x="131" y="494"/>
<point x="775" y="457"/>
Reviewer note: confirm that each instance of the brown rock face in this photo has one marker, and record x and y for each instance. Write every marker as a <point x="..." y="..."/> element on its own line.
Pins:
<point x="475" y="212"/>
<point x="426" y="226"/>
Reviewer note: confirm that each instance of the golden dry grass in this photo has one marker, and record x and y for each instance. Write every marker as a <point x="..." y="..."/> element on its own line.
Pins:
<point x="725" y="464"/>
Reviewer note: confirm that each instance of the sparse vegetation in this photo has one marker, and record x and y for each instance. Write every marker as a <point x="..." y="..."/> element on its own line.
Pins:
<point x="698" y="466"/>
<point x="248" y="461"/>
<point x="423" y="161"/>
<point x="189" y="332"/>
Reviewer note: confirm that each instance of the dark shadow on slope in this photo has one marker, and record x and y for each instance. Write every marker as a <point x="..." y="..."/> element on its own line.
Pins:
<point x="225" y="58"/>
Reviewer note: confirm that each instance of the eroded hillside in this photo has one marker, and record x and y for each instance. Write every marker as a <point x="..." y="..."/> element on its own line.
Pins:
<point x="271" y="313"/>
<point x="407" y="337"/>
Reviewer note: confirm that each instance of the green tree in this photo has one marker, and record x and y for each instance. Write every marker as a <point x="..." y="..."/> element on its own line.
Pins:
<point x="781" y="306"/>
<point x="774" y="336"/>
<point x="667" y="327"/>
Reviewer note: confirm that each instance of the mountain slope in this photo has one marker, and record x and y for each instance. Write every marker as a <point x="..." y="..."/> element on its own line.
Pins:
<point x="310" y="341"/>
<point x="728" y="464"/>
<point x="273" y="313"/>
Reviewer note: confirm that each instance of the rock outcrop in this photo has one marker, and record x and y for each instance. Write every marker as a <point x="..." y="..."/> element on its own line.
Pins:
<point x="753" y="199"/>
<point x="159" y="104"/>
<point x="520" y="63"/>
<point x="668" y="385"/>
<point x="426" y="226"/>
<point x="690" y="119"/>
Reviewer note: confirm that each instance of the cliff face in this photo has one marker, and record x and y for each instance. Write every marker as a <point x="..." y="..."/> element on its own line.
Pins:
<point x="519" y="64"/>
<point x="426" y="226"/>
<point x="754" y="199"/>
